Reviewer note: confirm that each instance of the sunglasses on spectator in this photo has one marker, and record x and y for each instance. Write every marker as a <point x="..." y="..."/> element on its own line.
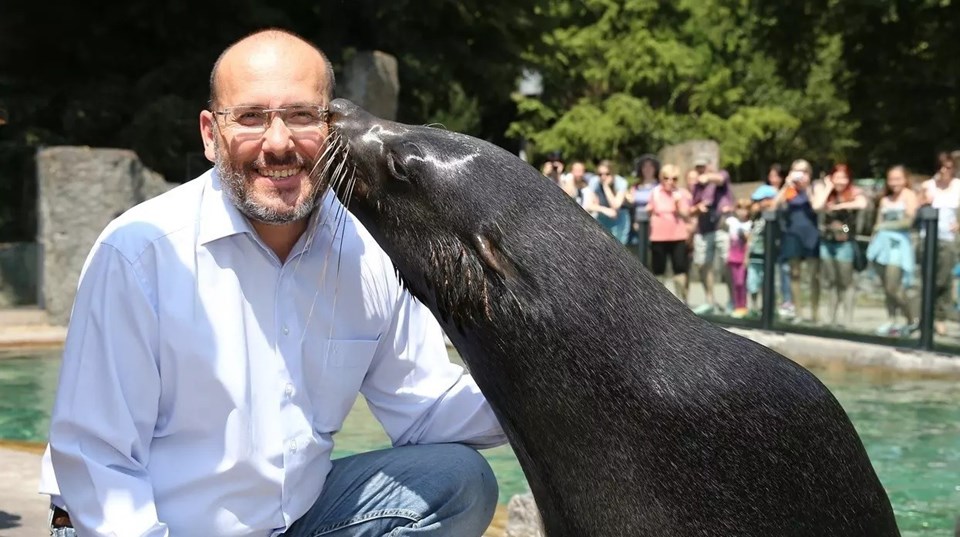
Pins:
<point x="670" y="178"/>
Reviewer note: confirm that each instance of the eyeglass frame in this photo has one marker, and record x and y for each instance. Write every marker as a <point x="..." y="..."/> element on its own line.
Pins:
<point x="323" y="110"/>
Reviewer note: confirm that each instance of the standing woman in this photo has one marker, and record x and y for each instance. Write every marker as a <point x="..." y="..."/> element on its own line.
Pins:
<point x="839" y="200"/>
<point x="800" y="243"/>
<point x="669" y="206"/>
<point x="891" y="250"/>
<point x="647" y="171"/>
<point x="610" y="192"/>
<point x="942" y="192"/>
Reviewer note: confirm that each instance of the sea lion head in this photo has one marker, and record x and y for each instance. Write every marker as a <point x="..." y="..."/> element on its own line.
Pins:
<point x="451" y="211"/>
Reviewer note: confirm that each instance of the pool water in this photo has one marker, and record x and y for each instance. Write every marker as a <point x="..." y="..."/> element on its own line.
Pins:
<point x="910" y="427"/>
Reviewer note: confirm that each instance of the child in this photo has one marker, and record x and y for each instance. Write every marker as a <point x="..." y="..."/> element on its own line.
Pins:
<point x="764" y="199"/>
<point x="738" y="226"/>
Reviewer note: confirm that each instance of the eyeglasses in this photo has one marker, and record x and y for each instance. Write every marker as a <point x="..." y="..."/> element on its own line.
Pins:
<point x="670" y="178"/>
<point x="254" y="119"/>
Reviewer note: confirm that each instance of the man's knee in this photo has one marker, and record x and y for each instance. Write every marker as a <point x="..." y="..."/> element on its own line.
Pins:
<point x="464" y="471"/>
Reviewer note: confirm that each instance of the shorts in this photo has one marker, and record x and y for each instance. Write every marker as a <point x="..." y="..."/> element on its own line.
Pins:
<point x="676" y="251"/>
<point x="711" y="248"/>
<point x="840" y="251"/>
<point x="755" y="276"/>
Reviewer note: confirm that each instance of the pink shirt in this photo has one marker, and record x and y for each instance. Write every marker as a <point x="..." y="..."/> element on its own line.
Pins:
<point x="665" y="223"/>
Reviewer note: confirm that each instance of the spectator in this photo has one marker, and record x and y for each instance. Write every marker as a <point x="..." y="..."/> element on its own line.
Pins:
<point x="610" y="191"/>
<point x="576" y="183"/>
<point x="891" y="250"/>
<point x="800" y="243"/>
<point x="942" y="192"/>
<point x="669" y="206"/>
<point x="839" y="200"/>
<point x="776" y="180"/>
<point x="764" y="199"/>
<point x="738" y="226"/>
<point x="647" y="171"/>
<point x="712" y="201"/>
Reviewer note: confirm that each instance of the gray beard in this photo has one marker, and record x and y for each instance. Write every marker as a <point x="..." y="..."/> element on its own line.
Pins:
<point x="234" y="183"/>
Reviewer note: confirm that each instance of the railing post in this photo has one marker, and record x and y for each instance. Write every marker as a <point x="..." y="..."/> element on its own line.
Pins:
<point x="928" y="222"/>
<point x="642" y="219"/>
<point x="771" y="271"/>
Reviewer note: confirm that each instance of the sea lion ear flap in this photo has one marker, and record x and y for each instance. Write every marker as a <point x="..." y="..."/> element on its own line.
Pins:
<point x="491" y="256"/>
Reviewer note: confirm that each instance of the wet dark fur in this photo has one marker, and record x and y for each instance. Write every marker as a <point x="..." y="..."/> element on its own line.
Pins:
<point x="630" y="415"/>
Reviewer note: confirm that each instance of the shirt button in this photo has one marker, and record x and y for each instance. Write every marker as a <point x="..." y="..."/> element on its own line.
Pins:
<point x="288" y="390"/>
<point x="285" y="330"/>
<point x="292" y="446"/>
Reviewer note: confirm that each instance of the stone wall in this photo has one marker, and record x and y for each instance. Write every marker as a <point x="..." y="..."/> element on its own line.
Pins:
<point x="685" y="154"/>
<point x="18" y="274"/>
<point x="80" y="189"/>
<point x="371" y="81"/>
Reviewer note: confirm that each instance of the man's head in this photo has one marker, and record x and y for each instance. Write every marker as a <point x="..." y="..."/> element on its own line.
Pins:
<point x="265" y="160"/>
<point x="700" y="163"/>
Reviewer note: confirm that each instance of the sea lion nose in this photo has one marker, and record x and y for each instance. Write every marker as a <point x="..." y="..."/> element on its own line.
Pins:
<point x="341" y="109"/>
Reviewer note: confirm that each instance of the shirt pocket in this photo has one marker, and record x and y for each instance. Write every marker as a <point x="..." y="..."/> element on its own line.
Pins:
<point x="335" y="388"/>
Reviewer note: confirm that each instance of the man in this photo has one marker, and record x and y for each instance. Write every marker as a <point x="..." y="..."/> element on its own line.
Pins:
<point x="712" y="201"/>
<point x="222" y="331"/>
<point x="576" y="182"/>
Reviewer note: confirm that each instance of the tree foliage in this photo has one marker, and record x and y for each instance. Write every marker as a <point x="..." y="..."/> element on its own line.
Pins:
<point x="626" y="77"/>
<point x="872" y="82"/>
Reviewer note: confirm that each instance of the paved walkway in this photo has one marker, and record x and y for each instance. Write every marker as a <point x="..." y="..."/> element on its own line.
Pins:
<point x="23" y="512"/>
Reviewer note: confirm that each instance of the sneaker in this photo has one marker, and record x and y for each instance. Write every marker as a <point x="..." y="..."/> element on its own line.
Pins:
<point x="886" y="329"/>
<point x="703" y="309"/>
<point x="740" y="313"/>
<point x="787" y="309"/>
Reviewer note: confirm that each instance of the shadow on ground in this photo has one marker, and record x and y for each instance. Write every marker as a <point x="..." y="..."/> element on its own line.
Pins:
<point x="9" y="520"/>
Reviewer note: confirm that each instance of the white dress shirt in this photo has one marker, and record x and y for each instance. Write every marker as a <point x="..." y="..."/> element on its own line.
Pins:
<point x="203" y="380"/>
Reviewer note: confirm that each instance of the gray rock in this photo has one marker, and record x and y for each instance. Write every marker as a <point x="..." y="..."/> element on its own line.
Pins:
<point x="523" y="517"/>
<point x="371" y="81"/>
<point x="18" y="274"/>
<point x="683" y="155"/>
<point x="81" y="189"/>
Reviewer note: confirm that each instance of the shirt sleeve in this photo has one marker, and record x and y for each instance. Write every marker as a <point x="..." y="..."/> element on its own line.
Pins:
<point x="417" y="393"/>
<point x="106" y="405"/>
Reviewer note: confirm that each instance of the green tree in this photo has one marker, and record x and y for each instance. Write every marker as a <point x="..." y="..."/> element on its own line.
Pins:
<point x="626" y="77"/>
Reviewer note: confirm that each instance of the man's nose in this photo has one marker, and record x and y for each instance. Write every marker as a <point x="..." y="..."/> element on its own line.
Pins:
<point x="277" y="138"/>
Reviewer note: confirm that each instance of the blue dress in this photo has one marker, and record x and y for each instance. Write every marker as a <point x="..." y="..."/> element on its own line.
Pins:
<point x="801" y="237"/>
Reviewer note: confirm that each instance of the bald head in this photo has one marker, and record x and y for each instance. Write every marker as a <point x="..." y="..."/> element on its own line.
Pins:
<point x="274" y="49"/>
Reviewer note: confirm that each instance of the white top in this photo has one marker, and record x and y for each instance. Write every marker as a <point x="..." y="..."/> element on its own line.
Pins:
<point x="947" y="200"/>
<point x="735" y="226"/>
<point x="203" y="380"/>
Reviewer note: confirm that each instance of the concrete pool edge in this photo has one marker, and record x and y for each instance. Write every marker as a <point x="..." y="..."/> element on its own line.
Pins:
<point x="813" y="351"/>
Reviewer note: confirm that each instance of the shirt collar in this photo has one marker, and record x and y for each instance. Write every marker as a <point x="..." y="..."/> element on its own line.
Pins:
<point x="220" y="218"/>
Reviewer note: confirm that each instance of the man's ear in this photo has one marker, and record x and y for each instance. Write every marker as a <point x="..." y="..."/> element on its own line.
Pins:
<point x="207" y="132"/>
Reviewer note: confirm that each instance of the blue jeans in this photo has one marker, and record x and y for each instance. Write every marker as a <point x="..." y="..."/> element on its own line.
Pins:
<point x="435" y="490"/>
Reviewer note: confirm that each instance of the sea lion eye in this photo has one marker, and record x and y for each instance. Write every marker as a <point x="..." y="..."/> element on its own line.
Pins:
<point x="397" y="167"/>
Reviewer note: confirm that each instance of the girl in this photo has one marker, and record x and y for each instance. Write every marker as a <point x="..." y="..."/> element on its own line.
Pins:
<point x="738" y="226"/>
<point x="891" y="250"/>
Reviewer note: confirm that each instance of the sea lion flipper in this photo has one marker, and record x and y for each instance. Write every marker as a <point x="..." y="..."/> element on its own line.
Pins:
<point x="491" y="255"/>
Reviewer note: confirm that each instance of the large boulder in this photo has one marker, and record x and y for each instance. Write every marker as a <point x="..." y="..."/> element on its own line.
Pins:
<point x="685" y="154"/>
<point x="371" y="82"/>
<point x="81" y="189"/>
<point x="523" y="517"/>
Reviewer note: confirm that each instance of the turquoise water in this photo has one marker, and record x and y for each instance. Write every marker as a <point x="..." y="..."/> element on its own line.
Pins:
<point x="911" y="428"/>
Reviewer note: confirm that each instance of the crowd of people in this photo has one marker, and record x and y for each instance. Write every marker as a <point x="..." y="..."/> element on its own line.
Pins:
<point x="698" y="228"/>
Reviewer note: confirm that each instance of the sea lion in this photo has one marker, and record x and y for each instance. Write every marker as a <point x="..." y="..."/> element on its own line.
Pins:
<point x="629" y="414"/>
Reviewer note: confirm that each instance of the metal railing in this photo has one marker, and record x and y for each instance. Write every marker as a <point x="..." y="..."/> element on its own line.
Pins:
<point x="927" y="217"/>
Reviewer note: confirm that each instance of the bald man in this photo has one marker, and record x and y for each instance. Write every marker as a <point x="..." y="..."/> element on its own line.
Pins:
<point x="222" y="331"/>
